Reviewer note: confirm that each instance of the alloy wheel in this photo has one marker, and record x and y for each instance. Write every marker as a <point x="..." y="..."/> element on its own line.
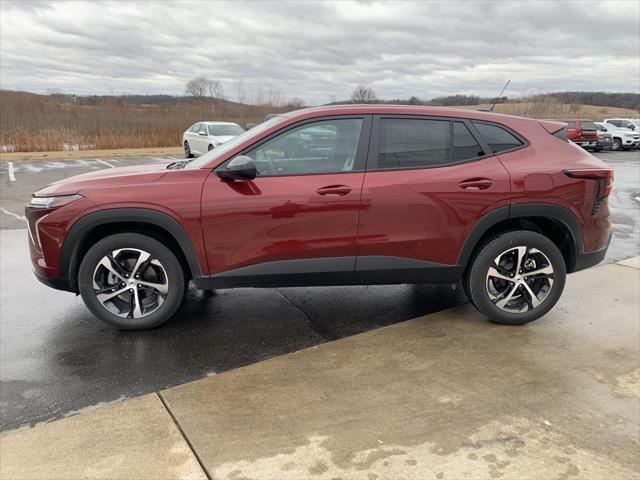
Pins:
<point x="130" y="283"/>
<point x="520" y="279"/>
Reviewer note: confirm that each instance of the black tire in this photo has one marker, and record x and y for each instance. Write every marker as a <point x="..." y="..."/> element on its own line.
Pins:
<point x="616" y="145"/>
<point x="175" y="281"/>
<point x="187" y="150"/>
<point x="597" y="149"/>
<point x="477" y="282"/>
<point x="210" y="148"/>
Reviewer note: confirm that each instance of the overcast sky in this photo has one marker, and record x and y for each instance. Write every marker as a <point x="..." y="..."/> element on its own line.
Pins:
<point x="320" y="51"/>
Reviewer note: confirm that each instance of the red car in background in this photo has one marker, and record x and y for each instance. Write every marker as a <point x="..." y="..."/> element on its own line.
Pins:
<point x="342" y="195"/>
<point x="582" y="132"/>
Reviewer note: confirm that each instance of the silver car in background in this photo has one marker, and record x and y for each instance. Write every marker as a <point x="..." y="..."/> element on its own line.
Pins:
<point x="204" y="136"/>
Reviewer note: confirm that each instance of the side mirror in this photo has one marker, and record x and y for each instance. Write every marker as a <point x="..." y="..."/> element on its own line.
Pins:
<point x="240" y="168"/>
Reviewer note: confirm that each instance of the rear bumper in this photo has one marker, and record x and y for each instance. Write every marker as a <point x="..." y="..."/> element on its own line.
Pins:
<point x="59" y="283"/>
<point x="589" y="259"/>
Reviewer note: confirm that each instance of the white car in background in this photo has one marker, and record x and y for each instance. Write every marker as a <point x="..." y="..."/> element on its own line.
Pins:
<point x="630" y="123"/>
<point x="204" y="136"/>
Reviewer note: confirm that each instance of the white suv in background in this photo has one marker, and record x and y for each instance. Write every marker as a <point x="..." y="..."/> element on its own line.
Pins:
<point x="204" y="136"/>
<point x="630" y="123"/>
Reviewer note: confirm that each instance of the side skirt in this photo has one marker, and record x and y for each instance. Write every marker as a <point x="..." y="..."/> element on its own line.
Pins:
<point x="333" y="271"/>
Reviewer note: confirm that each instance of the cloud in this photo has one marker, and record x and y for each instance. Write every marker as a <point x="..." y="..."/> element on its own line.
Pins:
<point x="320" y="50"/>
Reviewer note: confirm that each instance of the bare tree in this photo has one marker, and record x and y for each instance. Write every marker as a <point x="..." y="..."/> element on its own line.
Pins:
<point x="216" y="90"/>
<point x="241" y="94"/>
<point x="198" y="87"/>
<point x="363" y="94"/>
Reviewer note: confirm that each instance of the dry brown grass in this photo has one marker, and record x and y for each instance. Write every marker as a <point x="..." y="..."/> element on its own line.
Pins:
<point x="33" y="123"/>
<point x="553" y="109"/>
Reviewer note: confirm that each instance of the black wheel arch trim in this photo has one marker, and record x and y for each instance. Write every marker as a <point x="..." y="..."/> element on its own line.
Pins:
<point x="69" y="260"/>
<point x="544" y="210"/>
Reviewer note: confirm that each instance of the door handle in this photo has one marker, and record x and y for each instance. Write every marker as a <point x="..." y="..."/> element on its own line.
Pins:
<point x="476" y="184"/>
<point x="340" y="190"/>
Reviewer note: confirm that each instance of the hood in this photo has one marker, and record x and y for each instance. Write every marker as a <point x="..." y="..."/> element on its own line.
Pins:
<point x="136" y="174"/>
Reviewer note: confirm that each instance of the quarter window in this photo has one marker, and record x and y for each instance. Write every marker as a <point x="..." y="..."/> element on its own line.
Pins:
<point x="498" y="138"/>
<point x="413" y="143"/>
<point x="328" y="146"/>
<point x="465" y="146"/>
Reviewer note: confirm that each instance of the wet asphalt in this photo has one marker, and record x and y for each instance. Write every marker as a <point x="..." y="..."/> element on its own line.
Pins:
<point x="57" y="359"/>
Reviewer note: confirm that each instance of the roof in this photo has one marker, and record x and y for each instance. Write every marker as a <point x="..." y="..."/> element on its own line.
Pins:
<point x="217" y="123"/>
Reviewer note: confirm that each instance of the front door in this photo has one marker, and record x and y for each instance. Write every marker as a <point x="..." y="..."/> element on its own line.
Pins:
<point x="297" y="221"/>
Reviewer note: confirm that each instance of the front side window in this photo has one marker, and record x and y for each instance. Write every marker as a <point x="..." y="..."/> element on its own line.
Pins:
<point x="327" y="146"/>
<point x="498" y="138"/>
<point x="203" y="128"/>
<point x="413" y="143"/>
<point x="465" y="146"/>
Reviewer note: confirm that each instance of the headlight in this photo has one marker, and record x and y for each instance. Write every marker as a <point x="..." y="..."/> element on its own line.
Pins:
<point x="53" y="202"/>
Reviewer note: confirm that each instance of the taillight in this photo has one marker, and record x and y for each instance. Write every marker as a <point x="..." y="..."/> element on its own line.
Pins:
<point x="604" y="178"/>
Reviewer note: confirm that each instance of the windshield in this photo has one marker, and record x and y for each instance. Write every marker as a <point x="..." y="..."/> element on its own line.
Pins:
<point x="233" y="143"/>
<point x="222" y="130"/>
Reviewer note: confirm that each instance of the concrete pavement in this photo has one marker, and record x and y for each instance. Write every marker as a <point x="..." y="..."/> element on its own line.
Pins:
<point x="447" y="395"/>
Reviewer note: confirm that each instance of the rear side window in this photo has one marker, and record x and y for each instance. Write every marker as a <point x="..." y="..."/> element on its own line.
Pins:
<point x="498" y="138"/>
<point x="465" y="146"/>
<point x="588" y="125"/>
<point x="571" y="125"/>
<point x="413" y="143"/>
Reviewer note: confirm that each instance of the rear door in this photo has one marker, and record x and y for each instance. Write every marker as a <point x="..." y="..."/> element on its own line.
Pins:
<point x="428" y="181"/>
<point x="297" y="221"/>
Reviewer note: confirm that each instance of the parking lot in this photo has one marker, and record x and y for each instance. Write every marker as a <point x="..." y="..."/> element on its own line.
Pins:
<point x="57" y="359"/>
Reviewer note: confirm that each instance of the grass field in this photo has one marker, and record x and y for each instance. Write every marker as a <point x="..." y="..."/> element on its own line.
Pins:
<point x="48" y="123"/>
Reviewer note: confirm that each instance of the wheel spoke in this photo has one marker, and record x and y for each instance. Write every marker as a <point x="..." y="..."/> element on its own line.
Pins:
<point x="540" y="271"/>
<point x="143" y="258"/>
<point x="494" y="272"/>
<point x="534" y="299"/>
<point x="501" y="301"/>
<point x="105" y="297"/>
<point x="160" y="287"/>
<point x="109" y="263"/>
<point x="522" y="253"/>
<point x="135" y="308"/>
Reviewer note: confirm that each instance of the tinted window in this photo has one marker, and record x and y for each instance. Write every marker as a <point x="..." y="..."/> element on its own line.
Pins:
<point x="413" y="143"/>
<point x="465" y="146"/>
<point x="498" y="138"/>
<point x="588" y="125"/>
<point x="571" y="125"/>
<point x="222" y="130"/>
<point x="321" y="147"/>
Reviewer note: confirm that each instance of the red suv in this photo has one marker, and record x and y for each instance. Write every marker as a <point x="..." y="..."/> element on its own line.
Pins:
<point x="358" y="194"/>
<point x="582" y="132"/>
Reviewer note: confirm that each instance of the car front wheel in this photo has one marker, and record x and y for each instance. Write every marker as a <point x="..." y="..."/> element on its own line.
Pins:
<point x="516" y="277"/>
<point x="131" y="281"/>
<point x="187" y="150"/>
<point x="617" y="144"/>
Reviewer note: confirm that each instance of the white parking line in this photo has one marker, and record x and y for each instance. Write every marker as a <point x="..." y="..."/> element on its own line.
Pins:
<point x="105" y="163"/>
<point x="19" y="217"/>
<point x="12" y="173"/>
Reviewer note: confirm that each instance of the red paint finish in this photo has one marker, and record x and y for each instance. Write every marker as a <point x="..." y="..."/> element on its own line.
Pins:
<point x="279" y="218"/>
<point x="425" y="214"/>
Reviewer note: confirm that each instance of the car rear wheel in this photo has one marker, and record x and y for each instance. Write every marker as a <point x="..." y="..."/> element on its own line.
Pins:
<point x="617" y="144"/>
<point x="131" y="281"/>
<point x="187" y="150"/>
<point x="516" y="277"/>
